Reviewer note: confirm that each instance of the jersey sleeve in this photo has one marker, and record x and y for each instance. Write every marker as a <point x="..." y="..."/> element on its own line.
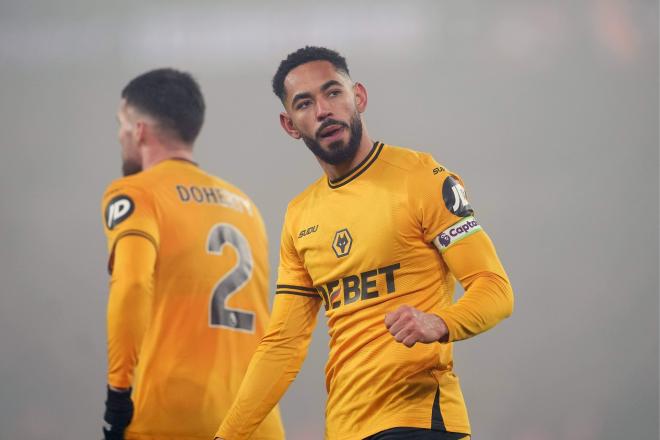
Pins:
<point x="282" y="350"/>
<point x="447" y="220"/>
<point x="488" y="296"/>
<point x="274" y="366"/>
<point x="128" y="210"/>
<point x="292" y="277"/>
<point x="439" y="201"/>
<point x="129" y="305"/>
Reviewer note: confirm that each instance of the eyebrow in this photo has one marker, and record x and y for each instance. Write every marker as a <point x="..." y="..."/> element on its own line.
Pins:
<point x="324" y="87"/>
<point x="329" y="84"/>
<point x="300" y="96"/>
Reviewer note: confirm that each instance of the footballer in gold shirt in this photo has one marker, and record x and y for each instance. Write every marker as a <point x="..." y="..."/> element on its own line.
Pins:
<point x="378" y="243"/>
<point x="188" y="261"/>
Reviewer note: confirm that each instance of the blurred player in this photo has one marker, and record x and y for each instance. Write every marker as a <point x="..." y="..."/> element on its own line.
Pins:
<point x="378" y="242"/>
<point x="189" y="272"/>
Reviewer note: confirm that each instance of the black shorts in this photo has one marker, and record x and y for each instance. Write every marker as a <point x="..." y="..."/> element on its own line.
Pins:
<point x="417" y="434"/>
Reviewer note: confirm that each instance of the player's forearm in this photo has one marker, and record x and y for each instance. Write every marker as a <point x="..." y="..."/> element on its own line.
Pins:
<point x="128" y="308"/>
<point x="270" y="373"/>
<point x="488" y="296"/>
<point x="273" y="367"/>
<point x="127" y="323"/>
<point x="487" y="301"/>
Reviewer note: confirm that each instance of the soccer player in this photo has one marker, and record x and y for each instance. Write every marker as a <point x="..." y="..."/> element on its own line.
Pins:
<point x="189" y="272"/>
<point x="378" y="242"/>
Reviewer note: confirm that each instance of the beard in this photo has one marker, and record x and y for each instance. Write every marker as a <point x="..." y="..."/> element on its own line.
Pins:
<point x="337" y="152"/>
<point x="130" y="167"/>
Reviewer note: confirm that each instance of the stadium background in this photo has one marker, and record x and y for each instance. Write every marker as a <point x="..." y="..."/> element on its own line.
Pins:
<point x="548" y="110"/>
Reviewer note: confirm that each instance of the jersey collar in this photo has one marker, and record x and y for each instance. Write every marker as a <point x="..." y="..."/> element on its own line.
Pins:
<point x="181" y="159"/>
<point x="359" y="169"/>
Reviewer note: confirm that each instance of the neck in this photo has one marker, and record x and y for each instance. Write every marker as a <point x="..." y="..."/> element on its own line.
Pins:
<point x="154" y="155"/>
<point x="335" y="171"/>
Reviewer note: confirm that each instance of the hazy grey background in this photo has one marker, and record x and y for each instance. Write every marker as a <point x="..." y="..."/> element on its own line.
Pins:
<point x="548" y="110"/>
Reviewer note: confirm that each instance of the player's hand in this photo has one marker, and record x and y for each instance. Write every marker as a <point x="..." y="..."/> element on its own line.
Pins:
<point x="118" y="414"/>
<point x="410" y="326"/>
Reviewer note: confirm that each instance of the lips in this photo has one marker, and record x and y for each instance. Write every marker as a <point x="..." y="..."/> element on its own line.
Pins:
<point x="330" y="130"/>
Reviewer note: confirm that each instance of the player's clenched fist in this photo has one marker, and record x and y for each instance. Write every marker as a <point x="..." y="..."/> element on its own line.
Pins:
<point x="410" y="326"/>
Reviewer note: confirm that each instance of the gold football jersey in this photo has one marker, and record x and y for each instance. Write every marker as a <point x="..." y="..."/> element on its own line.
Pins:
<point x="397" y="230"/>
<point x="209" y="307"/>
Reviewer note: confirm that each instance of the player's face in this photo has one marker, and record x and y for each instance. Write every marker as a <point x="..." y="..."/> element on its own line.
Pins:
<point x="323" y="109"/>
<point x="128" y="138"/>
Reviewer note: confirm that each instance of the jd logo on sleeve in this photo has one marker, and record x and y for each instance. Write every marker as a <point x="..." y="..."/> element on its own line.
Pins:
<point x="118" y="210"/>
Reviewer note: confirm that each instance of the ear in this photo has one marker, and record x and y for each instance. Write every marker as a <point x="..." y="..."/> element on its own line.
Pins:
<point x="287" y="125"/>
<point x="140" y="132"/>
<point x="360" y="97"/>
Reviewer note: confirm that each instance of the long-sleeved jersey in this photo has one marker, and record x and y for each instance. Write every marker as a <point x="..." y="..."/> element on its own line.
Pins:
<point x="397" y="230"/>
<point x="188" y="298"/>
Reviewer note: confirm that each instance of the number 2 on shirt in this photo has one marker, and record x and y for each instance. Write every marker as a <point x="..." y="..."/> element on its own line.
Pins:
<point x="221" y="235"/>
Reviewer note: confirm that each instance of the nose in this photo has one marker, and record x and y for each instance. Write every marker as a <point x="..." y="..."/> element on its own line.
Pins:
<point x="322" y="110"/>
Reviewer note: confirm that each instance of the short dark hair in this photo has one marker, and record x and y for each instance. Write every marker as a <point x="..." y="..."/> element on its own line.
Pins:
<point x="302" y="56"/>
<point x="172" y="97"/>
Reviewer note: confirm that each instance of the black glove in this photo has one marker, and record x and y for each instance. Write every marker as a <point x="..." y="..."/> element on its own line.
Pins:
<point x="118" y="414"/>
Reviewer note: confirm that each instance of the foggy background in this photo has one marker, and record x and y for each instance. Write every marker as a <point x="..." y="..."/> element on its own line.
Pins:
<point x="547" y="109"/>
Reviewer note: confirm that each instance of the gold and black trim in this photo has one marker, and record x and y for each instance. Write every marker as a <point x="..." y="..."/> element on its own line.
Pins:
<point x="291" y="287"/>
<point x="288" y="289"/>
<point x="286" y="292"/>
<point x="437" y="421"/>
<point x="111" y="259"/>
<point x="138" y="233"/>
<point x="359" y="169"/>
